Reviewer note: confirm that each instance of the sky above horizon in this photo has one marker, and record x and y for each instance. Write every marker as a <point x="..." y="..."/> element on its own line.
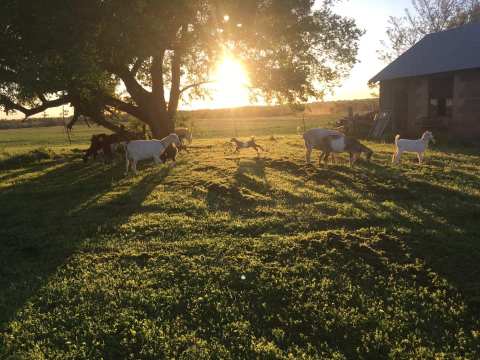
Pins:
<point x="371" y="16"/>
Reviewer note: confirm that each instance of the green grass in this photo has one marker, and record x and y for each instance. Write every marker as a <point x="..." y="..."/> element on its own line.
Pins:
<point x="240" y="257"/>
<point x="23" y="140"/>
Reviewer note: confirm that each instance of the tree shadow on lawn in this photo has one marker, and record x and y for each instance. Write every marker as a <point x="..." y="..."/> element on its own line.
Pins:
<point x="440" y="225"/>
<point x="437" y="224"/>
<point x="46" y="219"/>
<point x="248" y="189"/>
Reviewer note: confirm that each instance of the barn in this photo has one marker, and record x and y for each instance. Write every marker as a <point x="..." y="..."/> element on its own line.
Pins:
<point x="435" y="85"/>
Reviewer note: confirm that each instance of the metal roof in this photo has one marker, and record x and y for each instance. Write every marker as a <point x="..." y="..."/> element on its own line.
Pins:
<point x="450" y="50"/>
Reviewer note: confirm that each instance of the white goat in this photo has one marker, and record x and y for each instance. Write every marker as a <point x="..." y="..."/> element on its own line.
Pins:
<point x="147" y="149"/>
<point x="314" y="139"/>
<point x="417" y="146"/>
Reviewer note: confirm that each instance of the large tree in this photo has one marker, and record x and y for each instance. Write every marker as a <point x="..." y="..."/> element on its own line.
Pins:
<point x="142" y="57"/>
<point x="428" y="16"/>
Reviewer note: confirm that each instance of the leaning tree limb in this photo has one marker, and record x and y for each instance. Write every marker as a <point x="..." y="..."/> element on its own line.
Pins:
<point x="46" y="104"/>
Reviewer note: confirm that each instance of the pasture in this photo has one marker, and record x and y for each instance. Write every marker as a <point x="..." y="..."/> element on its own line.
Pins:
<point x="237" y="257"/>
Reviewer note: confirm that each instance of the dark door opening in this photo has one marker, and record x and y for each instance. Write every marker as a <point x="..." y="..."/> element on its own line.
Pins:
<point x="400" y="111"/>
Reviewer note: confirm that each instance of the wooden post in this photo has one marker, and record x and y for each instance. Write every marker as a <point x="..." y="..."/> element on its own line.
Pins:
<point x="350" y="120"/>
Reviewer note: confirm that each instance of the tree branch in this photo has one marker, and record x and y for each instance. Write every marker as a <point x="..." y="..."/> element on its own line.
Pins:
<point x="194" y="85"/>
<point x="97" y="116"/>
<point x="136" y="66"/>
<point x="42" y="98"/>
<point x="125" y="107"/>
<point x="136" y="91"/>
<point x="75" y="117"/>
<point x="10" y="105"/>
<point x="99" y="119"/>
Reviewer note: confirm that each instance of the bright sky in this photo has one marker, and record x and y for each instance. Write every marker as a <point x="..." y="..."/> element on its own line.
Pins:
<point x="370" y="15"/>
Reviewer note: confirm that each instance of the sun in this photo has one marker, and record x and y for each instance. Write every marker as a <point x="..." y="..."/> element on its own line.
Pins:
<point x="231" y="84"/>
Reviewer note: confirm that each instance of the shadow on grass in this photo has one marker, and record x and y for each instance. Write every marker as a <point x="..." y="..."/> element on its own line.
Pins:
<point x="39" y="233"/>
<point x="438" y="223"/>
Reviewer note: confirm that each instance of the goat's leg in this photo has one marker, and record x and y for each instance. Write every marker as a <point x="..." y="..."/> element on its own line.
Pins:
<point x="326" y="155"/>
<point x="397" y="157"/>
<point x="420" y="158"/>
<point x="156" y="160"/>
<point x="127" y="165"/>
<point x="353" y="159"/>
<point x="330" y="156"/>
<point x="134" y="166"/>
<point x="308" y="154"/>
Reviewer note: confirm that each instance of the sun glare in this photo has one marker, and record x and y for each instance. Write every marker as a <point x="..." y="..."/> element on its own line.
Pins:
<point x="231" y="87"/>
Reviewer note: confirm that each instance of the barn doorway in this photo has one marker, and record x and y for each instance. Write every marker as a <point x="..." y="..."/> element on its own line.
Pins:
<point x="400" y="111"/>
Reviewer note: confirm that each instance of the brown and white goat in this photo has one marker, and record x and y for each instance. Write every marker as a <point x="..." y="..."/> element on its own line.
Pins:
<point x="246" y="144"/>
<point x="342" y="143"/>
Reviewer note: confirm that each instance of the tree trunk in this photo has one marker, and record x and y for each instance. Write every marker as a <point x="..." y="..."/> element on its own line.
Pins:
<point x="161" y="125"/>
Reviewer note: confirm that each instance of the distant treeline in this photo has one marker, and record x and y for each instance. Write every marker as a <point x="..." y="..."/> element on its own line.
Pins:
<point x="31" y="122"/>
<point x="328" y="107"/>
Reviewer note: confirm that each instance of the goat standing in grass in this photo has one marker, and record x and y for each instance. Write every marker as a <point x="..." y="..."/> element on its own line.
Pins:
<point x="418" y="146"/>
<point x="148" y="149"/>
<point x="342" y="143"/>
<point x="246" y="144"/>
<point x="314" y="139"/>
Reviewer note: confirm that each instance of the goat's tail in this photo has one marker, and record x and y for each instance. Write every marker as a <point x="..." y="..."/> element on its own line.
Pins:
<point x="396" y="139"/>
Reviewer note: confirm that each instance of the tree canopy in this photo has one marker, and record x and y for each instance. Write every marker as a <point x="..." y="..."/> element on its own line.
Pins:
<point x="428" y="16"/>
<point x="142" y="57"/>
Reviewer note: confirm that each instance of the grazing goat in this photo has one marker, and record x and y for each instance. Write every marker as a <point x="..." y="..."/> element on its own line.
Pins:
<point x="184" y="134"/>
<point x="137" y="150"/>
<point x="417" y="146"/>
<point x="107" y="143"/>
<point x="170" y="153"/>
<point x="342" y="143"/>
<point x="314" y="139"/>
<point x="246" y="144"/>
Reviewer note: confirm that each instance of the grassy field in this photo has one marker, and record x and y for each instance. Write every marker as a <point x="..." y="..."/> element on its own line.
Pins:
<point x="21" y="140"/>
<point x="238" y="257"/>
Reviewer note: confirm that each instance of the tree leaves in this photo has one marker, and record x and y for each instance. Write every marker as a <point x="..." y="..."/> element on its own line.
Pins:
<point x="156" y="48"/>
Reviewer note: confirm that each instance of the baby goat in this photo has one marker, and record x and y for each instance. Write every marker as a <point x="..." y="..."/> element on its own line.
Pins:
<point x="417" y="146"/>
<point x="341" y="143"/>
<point x="246" y="144"/>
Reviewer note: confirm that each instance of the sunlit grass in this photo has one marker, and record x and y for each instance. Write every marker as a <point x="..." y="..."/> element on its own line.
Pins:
<point x="241" y="256"/>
